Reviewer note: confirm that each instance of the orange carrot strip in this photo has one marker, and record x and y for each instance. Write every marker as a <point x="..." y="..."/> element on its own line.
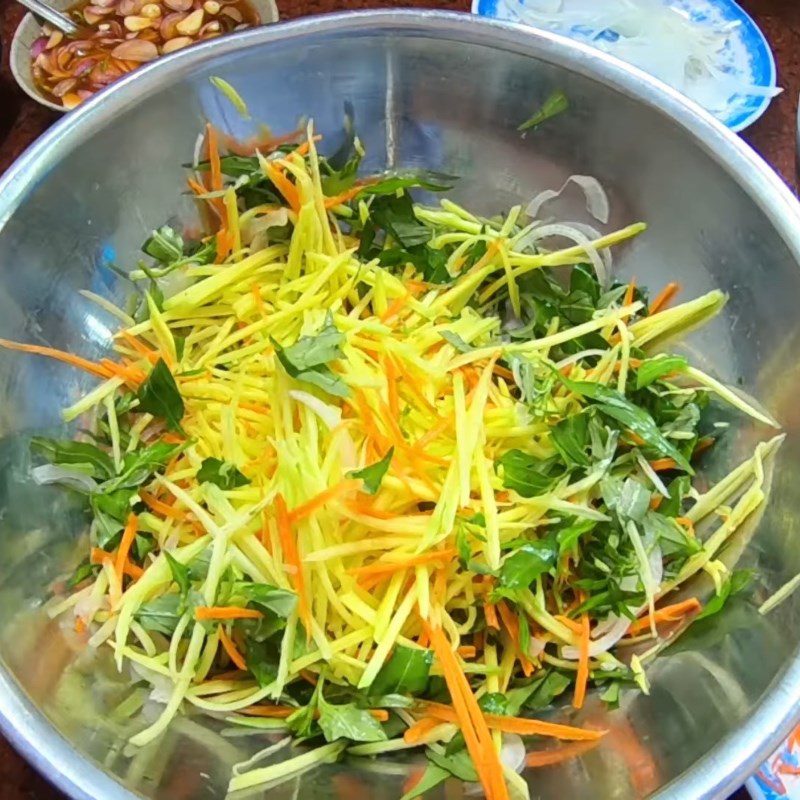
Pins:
<point x="279" y="712"/>
<point x="230" y="648"/>
<point x="289" y="547"/>
<point x="545" y="758"/>
<point x="628" y="298"/>
<point x="519" y="725"/>
<point x="490" y="613"/>
<point x="214" y="160"/>
<point x="323" y="498"/>
<point x="511" y="624"/>
<point x="344" y="197"/>
<point x="225" y="612"/>
<point x="656" y="501"/>
<point x="420" y="729"/>
<point x="395" y="307"/>
<point x="663" y="464"/>
<point x="159" y="506"/>
<point x="666" y="614"/>
<point x="664" y="297"/>
<point x="572" y="624"/>
<point x="414" y="777"/>
<point x="80" y="625"/>
<point x="380" y="567"/>
<point x="139" y="346"/>
<point x="468" y="715"/>
<point x="467" y="651"/>
<point x="391" y="386"/>
<point x="582" y="676"/>
<point x="284" y="186"/>
<point x="125" y="543"/>
<point x="59" y="355"/>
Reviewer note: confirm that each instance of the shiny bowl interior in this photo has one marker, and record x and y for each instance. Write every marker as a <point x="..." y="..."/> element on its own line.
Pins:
<point x="446" y="92"/>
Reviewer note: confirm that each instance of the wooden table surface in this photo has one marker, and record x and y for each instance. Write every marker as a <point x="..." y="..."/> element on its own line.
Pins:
<point x="22" y="120"/>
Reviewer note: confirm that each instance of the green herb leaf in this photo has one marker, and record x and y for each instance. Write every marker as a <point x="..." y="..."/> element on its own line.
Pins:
<point x="458" y="764"/>
<point x="406" y="672"/>
<point x="308" y="358"/>
<point x="615" y="405"/>
<point x="140" y="465"/>
<point x="629" y="498"/>
<point x="537" y="694"/>
<point x="372" y="475"/>
<point x="611" y="695"/>
<point x="161" y="614"/>
<point x="494" y="703"/>
<point x="111" y="510"/>
<point x="555" y="104"/>
<point x="410" y="179"/>
<point x="262" y="661"/>
<point x="738" y="581"/>
<point x="159" y="396"/>
<point x="164" y="245"/>
<point x="267" y="598"/>
<point x="81" y="456"/>
<point x="348" y="721"/>
<point x="431" y="778"/>
<point x="221" y="474"/>
<point x="180" y="574"/>
<point x="84" y="571"/>
<point x="527" y="475"/>
<point x="651" y="369"/>
<point x="571" y="438"/>
<point x="523" y="566"/>
<point x="454" y="339"/>
<point x="568" y="537"/>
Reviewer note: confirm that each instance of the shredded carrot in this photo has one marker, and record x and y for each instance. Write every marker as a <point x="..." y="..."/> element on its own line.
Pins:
<point x="259" y="300"/>
<point x="423" y="640"/>
<point x="59" y="355"/>
<point x="572" y="624"/>
<point x="518" y="725"/>
<point x="655" y="501"/>
<point x="305" y="510"/>
<point x="128" y="535"/>
<point x="473" y="724"/>
<point x="629" y="293"/>
<point x="81" y="626"/>
<point x="230" y="648"/>
<point x="380" y="714"/>
<point x="279" y="712"/>
<point x="160" y="507"/>
<point x="214" y="161"/>
<point x="511" y="624"/>
<point x="663" y="464"/>
<point x="467" y="651"/>
<point x="395" y="307"/>
<point x="284" y="186"/>
<point x="388" y="567"/>
<point x="490" y="613"/>
<point x="420" y="729"/>
<point x="582" y="676"/>
<point x="289" y="547"/>
<point x="664" y="297"/>
<point x="139" y="347"/>
<point x="685" y="522"/>
<point x="666" y="614"/>
<point x="546" y="758"/>
<point x="308" y="676"/>
<point x="391" y="386"/>
<point x="98" y="556"/>
<point x="225" y="612"/>
<point x="344" y="197"/>
<point x="703" y="445"/>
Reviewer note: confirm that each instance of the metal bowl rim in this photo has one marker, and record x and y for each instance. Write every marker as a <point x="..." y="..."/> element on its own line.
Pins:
<point x="729" y="762"/>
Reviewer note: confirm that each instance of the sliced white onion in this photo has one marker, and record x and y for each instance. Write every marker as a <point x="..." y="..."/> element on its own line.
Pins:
<point x="512" y="752"/>
<point x="593" y="233"/>
<point x="255" y="231"/>
<point x="75" y="479"/>
<point x="601" y="645"/>
<point x="162" y="686"/>
<point x="576" y="236"/>
<point x="88" y="606"/>
<point x="330" y="415"/>
<point x="536" y="647"/>
<point x="596" y="198"/>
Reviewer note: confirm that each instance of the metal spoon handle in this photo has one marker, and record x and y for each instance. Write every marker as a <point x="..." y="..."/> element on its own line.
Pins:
<point x="55" y="18"/>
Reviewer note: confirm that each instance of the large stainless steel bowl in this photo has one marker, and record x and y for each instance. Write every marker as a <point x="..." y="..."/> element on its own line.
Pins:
<point x="443" y="91"/>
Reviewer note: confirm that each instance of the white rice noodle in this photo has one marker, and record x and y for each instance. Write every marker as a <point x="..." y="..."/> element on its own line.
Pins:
<point x="573" y="234"/>
<point x="73" y="478"/>
<point x="330" y="415"/>
<point x="596" y="198"/>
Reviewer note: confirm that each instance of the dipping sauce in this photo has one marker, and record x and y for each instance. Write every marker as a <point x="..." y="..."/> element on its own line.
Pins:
<point x="117" y="36"/>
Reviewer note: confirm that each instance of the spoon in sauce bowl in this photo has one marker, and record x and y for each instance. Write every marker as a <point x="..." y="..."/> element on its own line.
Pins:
<point x="55" y="18"/>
